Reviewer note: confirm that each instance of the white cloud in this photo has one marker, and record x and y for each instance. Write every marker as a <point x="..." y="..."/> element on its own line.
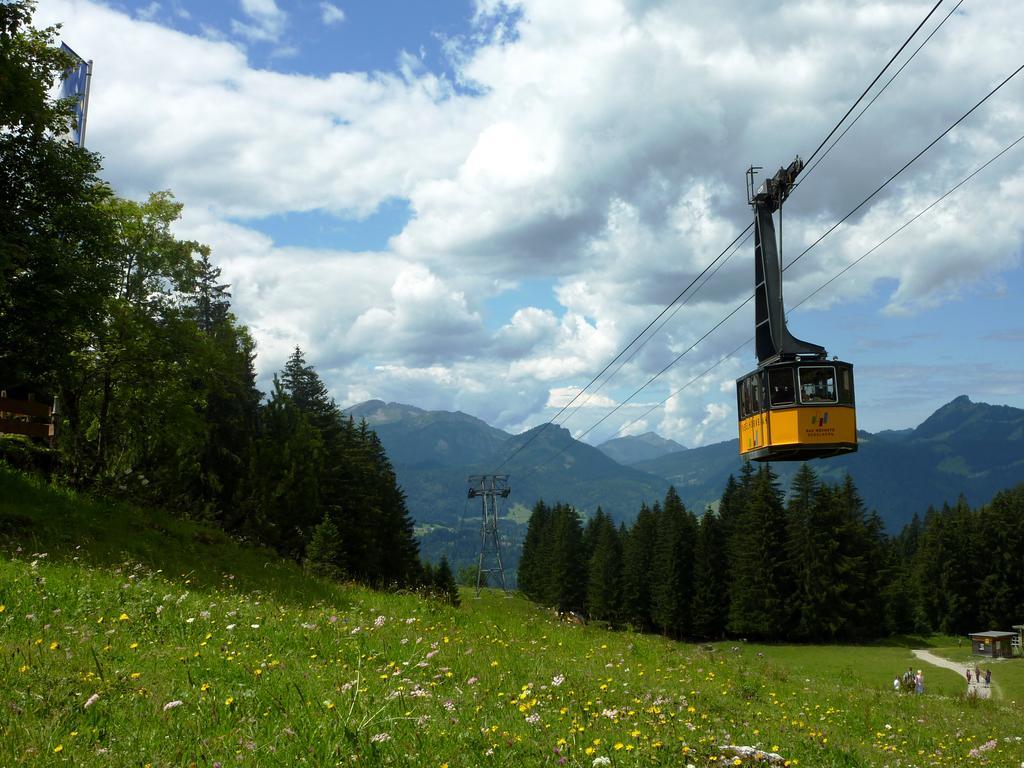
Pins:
<point x="598" y="146"/>
<point x="331" y="14"/>
<point x="266" y="22"/>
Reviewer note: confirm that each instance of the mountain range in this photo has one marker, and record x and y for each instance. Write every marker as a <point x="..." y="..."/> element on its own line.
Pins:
<point x="973" y="449"/>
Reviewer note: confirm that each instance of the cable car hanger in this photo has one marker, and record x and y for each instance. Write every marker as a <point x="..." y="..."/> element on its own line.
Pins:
<point x="797" y="405"/>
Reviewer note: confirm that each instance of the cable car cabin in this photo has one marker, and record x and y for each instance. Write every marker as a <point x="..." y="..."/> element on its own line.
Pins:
<point x="798" y="404"/>
<point x="797" y="410"/>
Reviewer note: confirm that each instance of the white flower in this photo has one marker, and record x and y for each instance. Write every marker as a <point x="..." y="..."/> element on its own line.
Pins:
<point x="602" y="760"/>
<point x="173" y="704"/>
<point x="255" y="626"/>
<point x="91" y="700"/>
<point x="379" y="621"/>
<point x="557" y="680"/>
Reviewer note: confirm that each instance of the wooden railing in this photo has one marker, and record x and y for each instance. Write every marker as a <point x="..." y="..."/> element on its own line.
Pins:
<point x="26" y="417"/>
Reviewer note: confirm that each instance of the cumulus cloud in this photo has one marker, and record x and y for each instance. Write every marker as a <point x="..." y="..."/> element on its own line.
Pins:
<point x="330" y="14"/>
<point x="598" y="146"/>
<point x="266" y="22"/>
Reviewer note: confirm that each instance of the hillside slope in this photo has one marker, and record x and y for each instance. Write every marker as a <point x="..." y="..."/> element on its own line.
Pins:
<point x="181" y="651"/>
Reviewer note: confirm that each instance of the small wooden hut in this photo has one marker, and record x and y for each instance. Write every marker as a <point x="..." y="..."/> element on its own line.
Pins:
<point x="992" y="644"/>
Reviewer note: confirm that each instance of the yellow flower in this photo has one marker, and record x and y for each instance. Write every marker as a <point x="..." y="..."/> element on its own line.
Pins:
<point x="54" y="645"/>
<point x="59" y="748"/>
<point x="204" y="687"/>
<point x="133" y="646"/>
<point x="619" y="745"/>
<point x="136" y="675"/>
<point x="123" y="617"/>
<point x="229" y="701"/>
<point x="2" y="607"/>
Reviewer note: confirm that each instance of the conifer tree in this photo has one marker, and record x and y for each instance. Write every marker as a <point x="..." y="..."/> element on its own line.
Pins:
<point x="1001" y="536"/>
<point x="672" y="567"/>
<point x="325" y="552"/>
<point x="761" y="579"/>
<point x="535" y="563"/>
<point x="569" y="583"/>
<point x="604" y="574"/>
<point x="444" y="583"/>
<point x="638" y="555"/>
<point x="710" y="609"/>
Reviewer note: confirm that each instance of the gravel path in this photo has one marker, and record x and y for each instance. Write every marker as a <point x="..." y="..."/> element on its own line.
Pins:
<point x="980" y="690"/>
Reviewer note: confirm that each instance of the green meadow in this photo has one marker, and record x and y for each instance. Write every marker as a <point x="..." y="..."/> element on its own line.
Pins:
<point x="132" y="638"/>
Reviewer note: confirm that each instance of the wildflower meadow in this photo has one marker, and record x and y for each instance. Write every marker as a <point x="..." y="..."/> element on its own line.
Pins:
<point x="231" y="662"/>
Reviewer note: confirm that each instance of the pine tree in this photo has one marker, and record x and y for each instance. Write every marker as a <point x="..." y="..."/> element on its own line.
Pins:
<point x="638" y="555"/>
<point x="568" y="574"/>
<point x="325" y="551"/>
<point x="535" y="564"/>
<point x="1001" y="535"/>
<point x="604" y="574"/>
<point x="710" y="609"/>
<point x="444" y="583"/>
<point x="761" y="581"/>
<point x="672" y="567"/>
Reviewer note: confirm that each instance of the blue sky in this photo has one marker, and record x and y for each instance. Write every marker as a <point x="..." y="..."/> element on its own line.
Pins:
<point x="475" y="205"/>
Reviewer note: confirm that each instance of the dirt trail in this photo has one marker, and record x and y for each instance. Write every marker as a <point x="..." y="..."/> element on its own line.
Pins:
<point x="975" y="688"/>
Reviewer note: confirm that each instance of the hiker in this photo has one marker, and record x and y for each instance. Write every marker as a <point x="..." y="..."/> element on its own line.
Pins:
<point x="968" y="675"/>
<point x="988" y="677"/>
<point x="908" y="679"/>
<point x="919" y="682"/>
<point x="896" y="683"/>
<point x="977" y="672"/>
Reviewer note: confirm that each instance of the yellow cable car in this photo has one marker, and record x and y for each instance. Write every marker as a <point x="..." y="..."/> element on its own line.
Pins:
<point x="798" y="404"/>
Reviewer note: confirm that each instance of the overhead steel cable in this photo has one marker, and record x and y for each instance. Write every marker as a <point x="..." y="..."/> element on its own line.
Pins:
<point x="650" y="336"/>
<point x="831" y="280"/>
<point x="544" y="426"/>
<point x="624" y="350"/>
<point x="806" y="250"/>
<point x="909" y="163"/>
<point x="881" y="90"/>
<point x="805" y="174"/>
<point x="872" y="83"/>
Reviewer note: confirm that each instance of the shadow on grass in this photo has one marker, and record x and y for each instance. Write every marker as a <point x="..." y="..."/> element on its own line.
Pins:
<point x="38" y="517"/>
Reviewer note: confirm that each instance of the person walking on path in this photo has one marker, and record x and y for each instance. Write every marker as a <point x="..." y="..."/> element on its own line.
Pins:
<point x="919" y="682"/>
<point x="968" y="676"/>
<point x="988" y="677"/>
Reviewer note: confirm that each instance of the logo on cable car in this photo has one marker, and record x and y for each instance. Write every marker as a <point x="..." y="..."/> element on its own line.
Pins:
<point x="820" y="427"/>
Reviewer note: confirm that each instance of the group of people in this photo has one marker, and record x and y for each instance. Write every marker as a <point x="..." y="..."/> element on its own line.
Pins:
<point x="977" y="675"/>
<point x="909" y="682"/>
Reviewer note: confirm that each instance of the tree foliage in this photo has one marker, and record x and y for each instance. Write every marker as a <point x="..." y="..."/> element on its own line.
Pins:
<point x="130" y="328"/>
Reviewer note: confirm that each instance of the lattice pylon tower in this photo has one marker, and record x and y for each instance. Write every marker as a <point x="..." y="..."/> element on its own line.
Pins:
<point x="489" y="488"/>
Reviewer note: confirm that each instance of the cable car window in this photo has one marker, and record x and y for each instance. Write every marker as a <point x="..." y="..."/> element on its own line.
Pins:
<point x="845" y="386"/>
<point x="780" y="385"/>
<point x="818" y="385"/>
<point x="744" y="393"/>
<point x="755" y="393"/>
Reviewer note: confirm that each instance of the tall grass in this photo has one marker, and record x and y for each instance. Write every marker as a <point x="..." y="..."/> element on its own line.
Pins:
<point x="153" y="646"/>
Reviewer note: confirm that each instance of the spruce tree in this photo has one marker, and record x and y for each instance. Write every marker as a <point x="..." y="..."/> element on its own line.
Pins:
<point x="638" y="554"/>
<point x="604" y="574"/>
<point x="710" y="609"/>
<point x="444" y="583"/>
<point x="325" y="552"/>
<point x="761" y="580"/>
<point x="672" y="567"/>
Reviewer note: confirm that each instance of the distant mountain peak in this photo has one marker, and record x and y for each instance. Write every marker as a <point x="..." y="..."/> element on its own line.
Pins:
<point x="632" y="449"/>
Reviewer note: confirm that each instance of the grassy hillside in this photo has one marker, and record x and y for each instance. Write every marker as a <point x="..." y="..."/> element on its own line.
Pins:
<point x="129" y="638"/>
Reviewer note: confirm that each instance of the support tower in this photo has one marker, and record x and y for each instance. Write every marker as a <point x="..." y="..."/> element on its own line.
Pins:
<point x="489" y="488"/>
